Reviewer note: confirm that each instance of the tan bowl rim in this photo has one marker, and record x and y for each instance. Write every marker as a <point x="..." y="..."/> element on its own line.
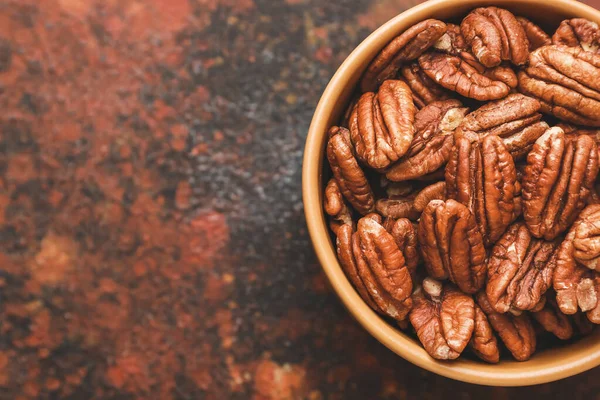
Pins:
<point x="574" y="358"/>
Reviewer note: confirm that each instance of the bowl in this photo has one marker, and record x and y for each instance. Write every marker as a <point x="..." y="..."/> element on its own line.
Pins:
<point x="544" y="366"/>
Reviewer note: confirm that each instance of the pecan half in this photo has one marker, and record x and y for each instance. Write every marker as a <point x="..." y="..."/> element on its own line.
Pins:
<point x="346" y="171"/>
<point x="405" y="235"/>
<point x="566" y="80"/>
<point x="520" y="270"/>
<point x="516" y="332"/>
<point x="432" y="143"/>
<point x="405" y="47"/>
<point x="515" y="119"/>
<point x="382" y="124"/>
<point x="451" y="245"/>
<point x="554" y="321"/>
<point x="582" y="323"/>
<point x="578" y="32"/>
<point x="397" y="208"/>
<point x="443" y="318"/>
<point x="455" y="74"/>
<point x="451" y="42"/>
<point x="382" y="268"/>
<point x="482" y="176"/>
<point x="483" y="342"/>
<point x="494" y="34"/>
<point x="594" y="314"/>
<point x="586" y="241"/>
<point x="335" y="206"/>
<point x="436" y="191"/>
<point x="535" y="35"/>
<point x="558" y="181"/>
<point x="573" y="283"/>
<point x="345" y="255"/>
<point x="424" y="89"/>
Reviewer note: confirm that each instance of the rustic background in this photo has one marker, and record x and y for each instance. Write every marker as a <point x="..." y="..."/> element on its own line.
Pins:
<point x="152" y="238"/>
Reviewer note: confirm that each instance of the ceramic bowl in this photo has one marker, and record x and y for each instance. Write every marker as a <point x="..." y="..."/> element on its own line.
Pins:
<point x="544" y="366"/>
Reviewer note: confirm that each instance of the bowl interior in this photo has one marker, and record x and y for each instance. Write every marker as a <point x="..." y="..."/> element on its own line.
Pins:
<point x="544" y="366"/>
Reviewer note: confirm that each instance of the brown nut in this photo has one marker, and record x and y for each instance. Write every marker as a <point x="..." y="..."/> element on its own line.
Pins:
<point x="535" y="35"/>
<point x="482" y="176"/>
<point x="397" y="208"/>
<point x="516" y="332"/>
<point x="345" y="255"/>
<point x="451" y="245"/>
<point x="335" y="206"/>
<point x="573" y="283"/>
<point x="347" y="173"/>
<point x="586" y="241"/>
<point x="382" y="268"/>
<point x="515" y="119"/>
<point x="455" y="74"/>
<point x="432" y="143"/>
<point x="554" y="321"/>
<point x="443" y="318"/>
<point x="594" y="314"/>
<point x="483" y="342"/>
<point x="405" y="47"/>
<point x="436" y="191"/>
<point x="520" y="270"/>
<point x="382" y="124"/>
<point x="566" y="80"/>
<point x="578" y="32"/>
<point x="405" y="235"/>
<point x="558" y="181"/>
<point x="451" y="42"/>
<point x="424" y="89"/>
<point x="583" y="325"/>
<point x="494" y="35"/>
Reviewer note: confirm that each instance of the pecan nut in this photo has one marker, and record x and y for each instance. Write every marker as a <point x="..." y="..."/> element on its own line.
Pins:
<point x="582" y="323"/>
<point x="515" y="331"/>
<point x="424" y="89"/>
<point x="483" y="342"/>
<point x="451" y="42"/>
<point x="382" y="268"/>
<point x="494" y="35"/>
<point x="345" y="253"/>
<point x="382" y="124"/>
<point x="347" y="173"/>
<point x="405" y="47"/>
<point x="335" y="206"/>
<point x="455" y="74"/>
<point x="558" y="181"/>
<point x="520" y="270"/>
<point x="451" y="245"/>
<point x="482" y="176"/>
<point x="432" y="143"/>
<point x="586" y="240"/>
<point x="593" y="315"/>
<point x="573" y="283"/>
<point x="578" y="32"/>
<point x="554" y="321"/>
<point x="515" y="119"/>
<point x="566" y="80"/>
<point x="436" y="191"/>
<point x="397" y="208"/>
<point x="535" y="35"/>
<point x="405" y="235"/>
<point x="443" y="318"/>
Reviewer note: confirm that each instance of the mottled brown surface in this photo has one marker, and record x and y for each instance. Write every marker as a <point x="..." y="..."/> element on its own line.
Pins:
<point x="152" y="240"/>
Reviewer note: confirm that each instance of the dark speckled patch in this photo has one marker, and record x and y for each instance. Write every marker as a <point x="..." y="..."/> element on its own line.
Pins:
<point x="152" y="238"/>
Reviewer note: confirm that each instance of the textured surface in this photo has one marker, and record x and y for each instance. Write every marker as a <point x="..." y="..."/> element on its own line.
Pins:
<point x="152" y="240"/>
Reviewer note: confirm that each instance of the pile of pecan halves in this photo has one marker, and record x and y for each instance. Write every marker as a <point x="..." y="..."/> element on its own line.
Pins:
<point x="463" y="197"/>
